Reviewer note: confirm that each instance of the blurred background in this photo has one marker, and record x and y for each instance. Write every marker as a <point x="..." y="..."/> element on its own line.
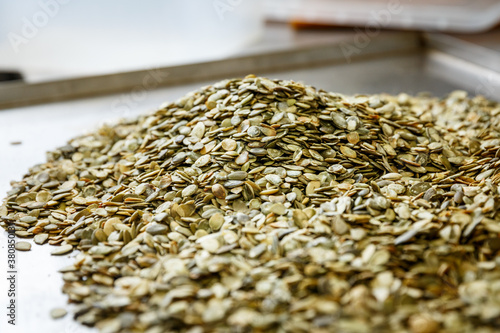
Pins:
<point x="43" y="40"/>
<point x="52" y="39"/>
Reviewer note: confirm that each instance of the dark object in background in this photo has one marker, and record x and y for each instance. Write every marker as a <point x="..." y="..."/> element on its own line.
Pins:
<point x="10" y="76"/>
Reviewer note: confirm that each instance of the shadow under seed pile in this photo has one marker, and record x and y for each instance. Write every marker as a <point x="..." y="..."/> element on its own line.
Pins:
<point x="260" y="205"/>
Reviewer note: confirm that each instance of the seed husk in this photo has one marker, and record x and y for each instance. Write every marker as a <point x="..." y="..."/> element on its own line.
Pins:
<point x="40" y="238"/>
<point x="189" y="190"/>
<point x="348" y="152"/>
<point x="353" y="137"/>
<point x="216" y="221"/>
<point x="23" y="246"/>
<point x="219" y="191"/>
<point x="274" y="179"/>
<point x="419" y="188"/>
<point x="237" y="175"/>
<point x="229" y="144"/>
<point x="254" y="131"/>
<point x="156" y="229"/>
<point x="278" y="209"/>
<point x="58" y="313"/>
<point x="63" y="249"/>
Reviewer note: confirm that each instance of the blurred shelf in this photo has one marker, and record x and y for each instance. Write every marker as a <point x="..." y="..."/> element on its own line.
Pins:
<point x="482" y="49"/>
<point x="300" y="50"/>
<point x="284" y="48"/>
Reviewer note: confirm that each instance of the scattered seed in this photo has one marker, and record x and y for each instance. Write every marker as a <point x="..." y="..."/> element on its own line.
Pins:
<point x="58" y="313"/>
<point x="23" y="246"/>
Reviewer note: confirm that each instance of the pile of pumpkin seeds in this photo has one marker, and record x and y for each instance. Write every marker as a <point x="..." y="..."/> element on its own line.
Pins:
<point x="266" y="205"/>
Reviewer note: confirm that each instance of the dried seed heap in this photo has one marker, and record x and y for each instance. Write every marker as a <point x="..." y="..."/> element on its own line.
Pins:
<point x="259" y="205"/>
